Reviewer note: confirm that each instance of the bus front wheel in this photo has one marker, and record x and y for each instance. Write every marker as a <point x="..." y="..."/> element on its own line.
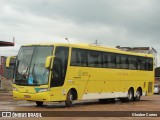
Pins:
<point x="69" y="99"/>
<point x="39" y="103"/>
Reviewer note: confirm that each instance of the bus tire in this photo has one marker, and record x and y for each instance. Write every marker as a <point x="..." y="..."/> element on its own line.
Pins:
<point x="130" y="95"/>
<point x="39" y="103"/>
<point x="69" y="99"/>
<point x="138" y="95"/>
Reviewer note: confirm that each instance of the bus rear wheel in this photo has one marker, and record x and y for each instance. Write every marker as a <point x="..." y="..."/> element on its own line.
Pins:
<point x="138" y="95"/>
<point x="129" y="97"/>
<point x="39" y="103"/>
<point x="69" y="99"/>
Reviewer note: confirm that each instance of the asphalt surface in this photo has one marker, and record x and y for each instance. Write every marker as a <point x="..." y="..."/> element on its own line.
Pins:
<point x="147" y="103"/>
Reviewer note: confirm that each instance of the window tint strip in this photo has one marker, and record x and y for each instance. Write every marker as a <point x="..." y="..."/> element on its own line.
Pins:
<point x="99" y="59"/>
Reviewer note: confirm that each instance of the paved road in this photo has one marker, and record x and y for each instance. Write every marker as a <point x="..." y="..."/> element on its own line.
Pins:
<point x="147" y="103"/>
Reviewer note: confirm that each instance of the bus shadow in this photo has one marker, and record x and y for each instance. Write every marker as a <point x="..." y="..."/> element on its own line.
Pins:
<point x="90" y="103"/>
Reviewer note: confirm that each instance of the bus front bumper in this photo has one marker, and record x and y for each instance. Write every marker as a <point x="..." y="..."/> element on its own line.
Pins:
<point x="42" y="96"/>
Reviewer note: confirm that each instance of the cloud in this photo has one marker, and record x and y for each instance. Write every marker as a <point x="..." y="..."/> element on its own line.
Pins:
<point x="111" y="22"/>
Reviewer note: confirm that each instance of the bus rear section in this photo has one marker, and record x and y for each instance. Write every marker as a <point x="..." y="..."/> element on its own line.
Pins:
<point x="111" y="74"/>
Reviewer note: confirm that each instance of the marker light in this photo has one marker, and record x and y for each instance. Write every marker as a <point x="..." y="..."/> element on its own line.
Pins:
<point x="15" y="89"/>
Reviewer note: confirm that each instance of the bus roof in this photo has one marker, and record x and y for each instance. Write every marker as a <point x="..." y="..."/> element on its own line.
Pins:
<point x="93" y="47"/>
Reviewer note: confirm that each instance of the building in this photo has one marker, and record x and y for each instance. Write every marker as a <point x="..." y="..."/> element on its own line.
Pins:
<point x="3" y="44"/>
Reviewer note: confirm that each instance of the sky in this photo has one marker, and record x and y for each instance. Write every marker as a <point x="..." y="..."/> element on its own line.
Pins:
<point x="133" y="23"/>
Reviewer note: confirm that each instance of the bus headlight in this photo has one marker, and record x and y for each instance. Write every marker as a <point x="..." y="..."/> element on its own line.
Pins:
<point x="42" y="89"/>
<point x="15" y="89"/>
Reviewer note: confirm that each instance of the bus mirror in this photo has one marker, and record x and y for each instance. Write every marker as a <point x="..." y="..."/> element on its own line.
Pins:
<point x="9" y="61"/>
<point x="48" y="61"/>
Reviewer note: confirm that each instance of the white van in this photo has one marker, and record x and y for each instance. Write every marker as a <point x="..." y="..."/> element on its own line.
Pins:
<point x="157" y="88"/>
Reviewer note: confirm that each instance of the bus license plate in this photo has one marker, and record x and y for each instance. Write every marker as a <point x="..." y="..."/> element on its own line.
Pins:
<point x="27" y="96"/>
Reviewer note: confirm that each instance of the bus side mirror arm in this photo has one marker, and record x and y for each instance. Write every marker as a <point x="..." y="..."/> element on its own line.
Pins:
<point x="49" y="60"/>
<point x="8" y="61"/>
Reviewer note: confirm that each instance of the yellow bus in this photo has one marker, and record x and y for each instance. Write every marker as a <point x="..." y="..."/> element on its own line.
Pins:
<point x="68" y="72"/>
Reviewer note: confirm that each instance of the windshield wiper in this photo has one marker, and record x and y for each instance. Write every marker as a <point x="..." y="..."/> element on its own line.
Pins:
<point x="24" y="75"/>
<point x="34" y="76"/>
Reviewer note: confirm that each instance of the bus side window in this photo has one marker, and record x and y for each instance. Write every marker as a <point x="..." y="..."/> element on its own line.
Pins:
<point x="124" y="61"/>
<point x="118" y="61"/>
<point x="106" y="60"/>
<point x="59" y="66"/>
<point x="149" y="64"/>
<point x="141" y="63"/>
<point x="94" y="59"/>
<point x="109" y="60"/>
<point x="79" y="57"/>
<point x="132" y="61"/>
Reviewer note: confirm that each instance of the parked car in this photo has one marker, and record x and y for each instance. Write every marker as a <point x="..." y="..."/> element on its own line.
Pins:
<point x="157" y="88"/>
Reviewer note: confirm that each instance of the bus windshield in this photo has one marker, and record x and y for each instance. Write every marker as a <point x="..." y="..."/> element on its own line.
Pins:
<point x="30" y="65"/>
